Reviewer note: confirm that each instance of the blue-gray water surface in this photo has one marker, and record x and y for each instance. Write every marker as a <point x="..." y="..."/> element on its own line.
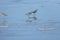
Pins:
<point x="18" y="29"/>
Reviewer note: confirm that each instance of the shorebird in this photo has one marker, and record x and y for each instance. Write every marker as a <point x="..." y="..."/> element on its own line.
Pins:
<point x="35" y="11"/>
<point x="3" y="14"/>
<point x="30" y="13"/>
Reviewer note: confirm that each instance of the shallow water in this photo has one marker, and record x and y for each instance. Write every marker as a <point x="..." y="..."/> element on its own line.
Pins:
<point x="18" y="29"/>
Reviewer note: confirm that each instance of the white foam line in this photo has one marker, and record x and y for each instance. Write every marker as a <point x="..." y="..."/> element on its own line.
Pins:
<point x="46" y="29"/>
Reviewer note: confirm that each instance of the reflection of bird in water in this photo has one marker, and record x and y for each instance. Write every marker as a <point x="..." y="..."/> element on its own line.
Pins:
<point x="34" y="18"/>
<point x="28" y="20"/>
<point x="3" y="14"/>
<point x="29" y="13"/>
